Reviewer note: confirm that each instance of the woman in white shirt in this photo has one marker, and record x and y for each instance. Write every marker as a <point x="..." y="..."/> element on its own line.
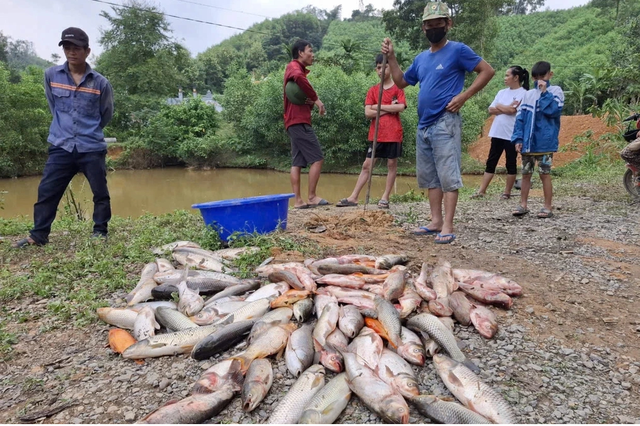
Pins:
<point x="505" y="107"/>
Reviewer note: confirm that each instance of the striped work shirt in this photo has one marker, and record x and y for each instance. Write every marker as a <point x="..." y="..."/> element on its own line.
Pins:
<point x="79" y="112"/>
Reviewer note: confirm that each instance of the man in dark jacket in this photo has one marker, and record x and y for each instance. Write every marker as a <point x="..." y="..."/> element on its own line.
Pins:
<point x="305" y="148"/>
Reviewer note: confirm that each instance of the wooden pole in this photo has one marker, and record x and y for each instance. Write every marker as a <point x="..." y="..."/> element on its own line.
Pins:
<point x="375" y="133"/>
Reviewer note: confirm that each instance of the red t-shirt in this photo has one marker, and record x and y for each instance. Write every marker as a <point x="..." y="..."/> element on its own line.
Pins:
<point x="298" y="114"/>
<point x="390" y="129"/>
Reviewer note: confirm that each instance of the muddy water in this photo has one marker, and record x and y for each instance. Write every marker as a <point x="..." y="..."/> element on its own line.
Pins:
<point x="157" y="191"/>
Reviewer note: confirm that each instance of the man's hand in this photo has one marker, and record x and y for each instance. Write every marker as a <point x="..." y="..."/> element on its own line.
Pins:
<point x="542" y="85"/>
<point x="321" y="109"/>
<point x="309" y="102"/>
<point x="387" y="47"/>
<point x="518" y="147"/>
<point x="456" y="103"/>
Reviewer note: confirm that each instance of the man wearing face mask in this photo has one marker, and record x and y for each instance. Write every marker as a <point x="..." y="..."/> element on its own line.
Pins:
<point x="440" y="70"/>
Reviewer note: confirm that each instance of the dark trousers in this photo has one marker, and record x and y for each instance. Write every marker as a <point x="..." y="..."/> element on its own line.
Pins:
<point x="60" y="168"/>
<point x="497" y="146"/>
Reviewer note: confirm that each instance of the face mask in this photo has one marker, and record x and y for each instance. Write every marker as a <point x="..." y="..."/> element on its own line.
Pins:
<point x="435" y="35"/>
<point x="535" y="83"/>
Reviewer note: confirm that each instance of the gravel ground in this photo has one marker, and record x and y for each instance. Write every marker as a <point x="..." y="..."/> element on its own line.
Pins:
<point x="554" y="359"/>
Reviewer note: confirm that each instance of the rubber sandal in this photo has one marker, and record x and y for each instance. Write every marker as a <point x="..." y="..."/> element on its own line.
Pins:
<point x="476" y="195"/>
<point x="322" y="202"/>
<point x="545" y="213"/>
<point x="24" y="243"/>
<point x="520" y="211"/>
<point x="448" y="238"/>
<point x="303" y="207"/>
<point x="346" y="203"/>
<point x="505" y="196"/>
<point x="383" y="204"/>
<point x="426" y="230"/>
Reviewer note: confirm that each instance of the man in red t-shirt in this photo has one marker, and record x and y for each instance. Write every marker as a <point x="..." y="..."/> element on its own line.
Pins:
<point x="305" y="148"/>
<point x="389" y="143"/>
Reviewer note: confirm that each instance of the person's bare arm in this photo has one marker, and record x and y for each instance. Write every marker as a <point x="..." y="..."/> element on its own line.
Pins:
<point x="394" y="108"/>
<point x="485" y="74"/>
<point x="396" y="73"/>
<point x="370" y="111"/>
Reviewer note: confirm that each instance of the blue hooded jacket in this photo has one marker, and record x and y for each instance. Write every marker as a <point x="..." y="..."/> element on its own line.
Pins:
<point x="538" y="121"/>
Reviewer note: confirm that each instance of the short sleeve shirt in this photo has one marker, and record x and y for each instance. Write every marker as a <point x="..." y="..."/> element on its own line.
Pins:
<point x="390" y="129"/>
<point x="441" y="77"/>
<point x="502" y="127"/>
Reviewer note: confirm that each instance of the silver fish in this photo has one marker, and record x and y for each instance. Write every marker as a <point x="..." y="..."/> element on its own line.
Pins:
<point x="446" y="412"/>
<point x="173" y="320"/>
<point x="216" y="311"/>
<point x="442" y="279"/>
<point x="171" y="246"/>
<point x="461" y="307"/>
<point x="164" y="265"/>
<point x="397" y="372"/>
<point x="257" y="383"/>
<point x="290" y="408"/>
<point x="149" y="270"/>
<point x="252" y="310"/>
<point x="188" y="257"/>
<point x="190" y="302"/>
<point x="191" y="410"/>
<point x="326" y="323"/>
<point x="234" y="253"/>
<point x="220" y="375"/>
<point x="268" y="291"/>
<point x="440" y="334"/>
<point x="299" y="353"/>
<point x="473" y="392"/>
<point x="271" y="341"/>
<point x="368" y="345"/>
<point x="423" y="285"/>
<point x="142" y="292"/>
<point x="154" y="305"/>
<point x="411" y="348"/>
<point x="320" y="301"/>
<point x="121" y="318"/>
<point x="268" y="320"/>
<point x="234" y="290"/>
<point x="179" y="342"/>
<point x="327" y="405"/>
<point x="350" y="321"/>
<point x="303" y="309"/>
<point x="145" y="325"/>
<point x="389" y="260"/>
<point x="389" y="317"/>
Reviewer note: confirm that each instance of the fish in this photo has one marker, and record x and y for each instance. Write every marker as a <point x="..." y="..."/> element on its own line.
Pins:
<point x="271" y="341"/>
<point x="461" y="307"/>
<point x="288" y="277"/>
<point x="390" y="320"/>
<point x="411" y="348"/>
<point x="204" y="286"/>
<point x="164" y="265"/>
<point x="149" y="270"/>
<point x="389" y="260"/>
<point x="173" y="320"/>
<point x="440" y="307"/>
<point x="346" y="269"/>
<point x="489" y="297"/>
<point x="154" y="305"/>
<point x="179" y="342"/>
<point x="303" y="309"/>
<point x="175" y="275"/>
<point x="198" y="259"/>
<point x="234" y="253"/>
<point x="397" y="372"/>
<point x="223" y="374"/>
<point x="321" y="300"/>
<point x="376" y="326"/>
<point x="145" y="325"/>
<point x="172" y="246"/>
<point x="409" y="301"/>
<point x="431" y="325"/>
<point x="393" y="286"/>
<point x="120" y="339"/>
<point x="191" y="410"/>
<point x="121" y="318"/>
<point x="299" y="353"/>
<point x="257" y="383"/>
<point x="347" y="281"/>
<point x="215" y="311"/>
<point x="326" y="323"/>
<point x="142" y="292"/>
<point x="488" y="279"/>
<point x="294" y="402"/>
<point x="190" y="302"/>
<point x="289" y="297"/>
<point x="442" y="279"/>
<point x="380" y="397"/>
<point x="446" y="412"/>
<point x="268" y="291"/>
<point x="368" y="346"/>
<point x="234" y="290"/>
<point x="484" y="321"/>
<point x="252" y="310"/>
<point x="422" y="284"/>
<point x="222" y="339"/>
<point x="328" y="403"/>
<point x="372" y="279"/>
<point x="376" y="289"/>
<point x="472" y="392"/>
<point x="355" y="258"/>
<point x="305" y="276"/>
<point x="268" y="320"/>
<point x="350" y="321"/>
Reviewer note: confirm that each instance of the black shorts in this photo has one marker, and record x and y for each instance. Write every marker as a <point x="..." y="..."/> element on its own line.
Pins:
<point x="388" y="150"/>
<point x="305" y="148"/>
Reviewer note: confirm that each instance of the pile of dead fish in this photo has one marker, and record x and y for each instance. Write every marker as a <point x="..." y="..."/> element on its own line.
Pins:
<point x="330" y="315"/>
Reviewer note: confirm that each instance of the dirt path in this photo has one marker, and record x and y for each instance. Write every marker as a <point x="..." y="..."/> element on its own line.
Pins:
<point x="567" y="352"/>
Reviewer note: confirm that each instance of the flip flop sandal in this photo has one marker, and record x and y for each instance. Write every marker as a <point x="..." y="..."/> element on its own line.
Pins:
<point x="445" y="238"/>
<point x="520" y="211"/>
<point x="303" y="207"/>
<point x="24" y="243"/>
<point x="505" y="196"/>
<point x="382" y="204"/>
<point x="545" y="214"/>
<point x="426" y="230"/>
<point x="322" y="202"/>
<point x="346" y="203"/>
<point x="476" y="195"/>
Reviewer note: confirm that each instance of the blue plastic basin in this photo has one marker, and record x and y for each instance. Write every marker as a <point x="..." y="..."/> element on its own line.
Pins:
<point x="262" y="214"/>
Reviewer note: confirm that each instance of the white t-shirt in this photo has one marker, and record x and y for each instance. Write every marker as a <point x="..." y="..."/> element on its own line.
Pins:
<point x="503" y="124"/>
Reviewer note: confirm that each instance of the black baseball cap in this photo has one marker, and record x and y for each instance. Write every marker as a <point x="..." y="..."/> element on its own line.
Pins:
<point x="76" y="36"/>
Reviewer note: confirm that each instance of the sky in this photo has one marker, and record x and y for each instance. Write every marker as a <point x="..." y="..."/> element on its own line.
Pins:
<point x="42" y="21"/>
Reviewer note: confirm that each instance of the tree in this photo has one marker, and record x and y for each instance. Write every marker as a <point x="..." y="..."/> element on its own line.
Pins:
<point x="289" y="28"/>
<point x="140" y="57"/>
<point x="4" y="44"/>
<point x="522" y="7"/>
